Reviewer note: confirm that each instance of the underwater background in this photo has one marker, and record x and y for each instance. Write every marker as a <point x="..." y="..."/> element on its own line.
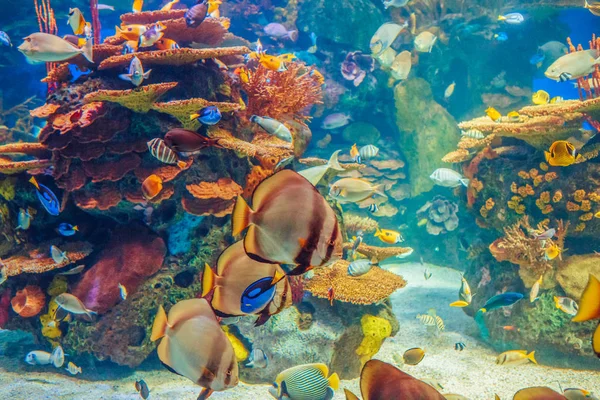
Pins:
<point x="302" y="200"/>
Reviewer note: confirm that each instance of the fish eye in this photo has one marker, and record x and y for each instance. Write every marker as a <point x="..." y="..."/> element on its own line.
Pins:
<point x="228" y="372"/>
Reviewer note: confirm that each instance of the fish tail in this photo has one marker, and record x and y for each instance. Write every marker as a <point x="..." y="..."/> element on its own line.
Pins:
<point x="205" y="394"/>
<point x="333" y="161"/>
<point x="241" y="216"/>
<point x="378" y="232"/>
<point x="54" y="357"/>
<point x="160" y="324"/>
<point x="147" y="74"/>
<point x="350" y="395"/>
<point x="334" y="381"/>
<point x="34" y="182"/>
<point x="465" y="182"/>
<point x="88" y="51"/>
<point x="293" y="35"/>
<point x="531" y="357"/>
<point x="556" y="302"/>
<point x="379" y="189"/>
<point x="208" y="280"/>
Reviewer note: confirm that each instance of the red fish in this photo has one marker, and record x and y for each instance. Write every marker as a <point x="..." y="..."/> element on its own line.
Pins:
<point x="186" y="141"/>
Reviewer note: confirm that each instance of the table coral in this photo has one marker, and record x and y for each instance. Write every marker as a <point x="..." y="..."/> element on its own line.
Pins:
<point x="373" y="287"/>
<point x="139" y="100"/>
<point x="182" y="109"/>
<point x="212" y="198"/>
<point x="38" y="260"/>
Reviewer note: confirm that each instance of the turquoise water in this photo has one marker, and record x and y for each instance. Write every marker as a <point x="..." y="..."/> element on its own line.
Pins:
<point x="299" y="200"/>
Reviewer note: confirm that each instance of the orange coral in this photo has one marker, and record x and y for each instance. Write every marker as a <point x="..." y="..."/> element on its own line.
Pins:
<point x="372" y="287"/>
<point x="38" y="260"/>
<point x="586" y="217"/>
<point x="580" y="227"/>
<point x="483" y="211"/>
<point x="524" y="175"/>
<point x="534" y="172"/>
<point x="379" y="253"/>
<point x="558" y="195"/>
<point x="477" y="185"/>
<point x="489" y="204"/>
<point x="150" y="17"/>
<point x="101" y="197"/>
<point x="268" y="149"/>
<point x="139" y="100"/>
<point x="44" y="111"/>
<point x="256" y="176"/>
<point x="547" y="209"/>
<point x="537" y="181"/>
<point x="212" y="198"/>
<point x="594" y="197"/>
<point x="182" y="109"/>
<point x="513" y="187"/>
<point x="525" y="191"/>
<point x="276" y="94"/>
<point x="579" y="195"/>
<point x="10" y="167"/>
<point x="572" y="206"/>
<point x="545" y="197"/>
<point x="586" y="205"/>
<point x="457" y="156"/>
<point x="355" y="223"/>
<point x="550" y="176"/>
<point x="543" y="166"/>
<point x="29" y="301"/>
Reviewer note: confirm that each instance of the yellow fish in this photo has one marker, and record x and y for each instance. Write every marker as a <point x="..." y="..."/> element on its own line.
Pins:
<point x="319" y="76"/>
<point x="169" y="5"/>
<point x="552" y="252"/>
<point x="389" y="236"/>
<point x="493" y="114"/>
<point x="243" y="73"/>
<point x="535" y="289"/>
<point x="422" y="221"/>
<point x="213" y="8"/>
<point x="137" y="6"/>
<point x="597" y="215"/>
<point x="459" y="303"/>
<point x="166" y="44"/>
<point x="76" y="21"/>
<point x="513" y="116"/>
<point x="271" y="62"/>
<point x="516" y="357"/>
<point x="561" y="154"/>
<point x="287" y="57"/>
<point x="356" y="156"/>
<point x="557" y="99"/>
<point x="130" y="32"/>
<point x="540" y="97"/>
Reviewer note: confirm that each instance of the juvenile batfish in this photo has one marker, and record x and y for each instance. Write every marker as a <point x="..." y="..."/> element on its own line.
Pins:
<point x="394" y="3"/>
<point x="413" y="356"/>
<point x="516" y="357"/>
<point x="58" y="255"/>
<point x="360" y="267"/>
<point x="42" y="47"/>
<point x="354" y="190"/>
<point x="473" y="134"/>
<point x="315" y="174"/>
<point x="136" y="74"/>
<point x="448" y="178"/>
<point x="369" y="151"/>
<point x="535" y="289"/>
<point x="258" y="359"/>
<point x="76" y="21"/>
<point x="424" y="42"/>
<point x="384" y="37"/>
<point x="24" y="219"/>
<point x="273" y="127"/>
<point x="73" y="369"/>
<point x="304" y="382"/>
<point x="72" y="304"/>
<point x="566" y="305"/>
<point x="573" y="66"/>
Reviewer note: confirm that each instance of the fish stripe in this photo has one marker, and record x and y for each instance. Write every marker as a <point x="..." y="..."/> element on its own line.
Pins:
<point x="307" y="384"/>
<point x="304" y="257"/>
<point x="161" y="151"/>
<point x="213" y="363"/>
<point x="331" y="243"/>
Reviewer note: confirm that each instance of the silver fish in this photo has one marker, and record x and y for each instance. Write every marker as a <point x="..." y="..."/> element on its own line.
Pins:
<point x="368" y="151"/>
<point x="473" y="134"/>
<point x="39" y="357"/>
<point x="336" y="120"/>
<point x="406" y="254"/>
<point x="73" y="369"/>
<point x="573" y="66"/>
<point x="427" y="274"/>
<point x="356" y="243"/>
<point x="424" y="42"/>
<point x="73" y="271"/>
<point x="548" y="234"/>
<point x="3" y="273"/>
<point x="448" y="178"/>
<point x="258" y="359"/>
<point x="136" y="74"/>
<point x="58" y="255"/>
<point x="42" y="47"/>
<point x="360" y="267"/>
<point x="72" y="304"/>
<point x="273" y="127"/>
<point x="24" y="219"/>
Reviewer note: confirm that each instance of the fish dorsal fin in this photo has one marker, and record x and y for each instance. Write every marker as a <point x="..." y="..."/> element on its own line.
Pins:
<point x="521" y="351"/>
<point x="589" y="305"/>
<point x="333" y="161"/>
<point x="229" y="254"/>
<point x="350" y="395"/>
<point x="188" y="309"/>
<point x="279" y="180"/>
<point x="323" y="368"/>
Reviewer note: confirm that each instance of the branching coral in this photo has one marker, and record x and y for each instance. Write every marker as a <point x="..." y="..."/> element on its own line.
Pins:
<point x="372" y="287"/>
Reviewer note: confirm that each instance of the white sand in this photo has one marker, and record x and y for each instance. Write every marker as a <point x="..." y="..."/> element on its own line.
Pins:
<point x="472" y="373"/>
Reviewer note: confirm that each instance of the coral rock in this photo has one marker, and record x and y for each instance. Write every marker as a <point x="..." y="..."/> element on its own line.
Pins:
<point x="573" y="273"/>
<point x="29" y="301"/>
<point x="212" y="198"/>
<point x="139" y="100"/>
<point x="38" y="261"/>
<point x="44" y="111"/>
<point x="101" y="197"/>
<point x="441" y="215"/>
<point x="150" y="17"/>
<point x="9" y="167"/>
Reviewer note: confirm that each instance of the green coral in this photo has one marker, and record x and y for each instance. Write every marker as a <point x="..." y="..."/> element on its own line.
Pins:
<point x="58" y="285"/>
<point x="7" y="188"/>
<point x="375" y="331"/>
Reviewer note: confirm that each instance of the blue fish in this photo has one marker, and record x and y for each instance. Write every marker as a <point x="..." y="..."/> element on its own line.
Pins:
<point x="586" y="126"/>
<point x="501" y="300"/>
<point x="46" y="197"/>
<point x="537" y="59"/>
<point x="127" y="49"/>
<point x="257" y="295"/>
<point x="501" y="36"/>
<point x="208" y="115"/>
<point x="76" y="73"/>
<point x="66" y="229"/>
<point x="5" y="39"/>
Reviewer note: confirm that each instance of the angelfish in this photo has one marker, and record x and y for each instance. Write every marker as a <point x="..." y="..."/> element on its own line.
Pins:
<point x="308" y="381"/>
<point x="136" y="74"/>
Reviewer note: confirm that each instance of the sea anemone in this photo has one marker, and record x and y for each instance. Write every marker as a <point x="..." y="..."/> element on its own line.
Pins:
<point x="29" y="301"/>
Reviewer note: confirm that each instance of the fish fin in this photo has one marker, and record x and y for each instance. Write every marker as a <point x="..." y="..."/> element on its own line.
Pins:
<point x="208" y="280"/>
<point x="333" y="162"/>
<point x="350" y="395"/>
<point x="279" y="275"/>
<point x="293" y="35"/>
<point x="34" y="182"/>
<point x="194" y="116"/>
<point x="483" y="310"/>
<point x="556" y="302"/>
<point x="205" y="394"/>
<point x="465" y="182"/>
<point x="147" y="74"/>
<point x="88" y="51"/>
<point x="380" y="190"/>
<point x="125" y="77"/>
<point x="334" y="381"/>
<point x="241" y="216"/>
<point x="160" y="324"/>
<point x="589" y="306"/>
<point x="596" y="341"/>
<point x="531" y="357"/>
<point x="378" y="232"/>
<point x="181" y="164"/>
<point x="262" y="319"/>
<point x="302" y="242"/>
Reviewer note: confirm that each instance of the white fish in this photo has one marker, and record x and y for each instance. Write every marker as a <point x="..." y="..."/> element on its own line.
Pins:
<point x="448" y="178"/>
<point x="123" y="291"/>
<point x="368" y="151"/>
<point x="72" y="304"/>
<point x="394" y="3"/>
<point x="39" y="357"/>
<point x="58" y="357"/>
<point x="424" y="42"/>
<point x="136" y="74"/>
<point x="449" y="90"/>
<point x="360" y="267"/>
<point x="573" y="66"/>
<point x="42" y="47"/>
<point x="315" y="174"/>
<point x="401" y="65"/>
<point x="384" y="37"/>
<point x="73" y="271"/>
<point x="473" y="134"/>
<point x="105" y="7"/>
<point x="58" y="255"/>
<point x="258" y="359"/>
<point x="24" y="219"/>
<point x="512" y="18"/>
<point x="73" y="369"/>
<point x="535" y="289"/>
<point x="406" y="254"/>
<point x="3" y="273"/>
<point x="386" y="58"/>
<point x="273" y="127"/>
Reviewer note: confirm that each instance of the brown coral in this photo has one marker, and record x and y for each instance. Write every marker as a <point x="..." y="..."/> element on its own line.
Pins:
<point x="38" y="260"/>
<point x="139" y="100"/>
<point x="558" y="195"/>
<point x="150" y="17"/>
<point x="256" y="176"/>
<point x="29" y="301"/>
<point x="372" y="287"/>
<point x="182" y="109"/>
<point x="572" y="206"/>
<point x="268" y="149"/>
<point x="101" y="197"/>
<point x="579" y="195"/>
<point x="379" y="253"/>
<point x="44" y="111"/>
<point x="356" y="223"/>
<point x="212" y="198"/>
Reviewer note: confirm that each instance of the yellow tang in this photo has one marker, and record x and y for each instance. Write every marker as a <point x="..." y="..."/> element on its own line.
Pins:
<point x="513" y="116"/>
<point x="562" y="154"/>
<point x="388" y="236"/>
<point x="597" y="215"/>
<point x="540" y="97"/>
<point x="493" y="114"/>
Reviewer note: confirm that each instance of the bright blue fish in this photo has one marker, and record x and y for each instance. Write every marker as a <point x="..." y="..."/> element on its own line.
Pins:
<point x="537" y="59"/>
<point x="66" y="229"/>
<point x="501" y="36"/>
<point x="76" y="73"/>
<point x="501" y="300"/>
<point x="586" y="126"/>
<point x="46" y="197"/>
<point x="208" y="115"/>
<point x="5" y="39"/>
<point x="257" y="295"/>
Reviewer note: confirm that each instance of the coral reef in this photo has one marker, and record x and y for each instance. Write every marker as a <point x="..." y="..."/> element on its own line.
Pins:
<point x="37" y="260"/>
<point x="375" y="331"/>
<point x="211" y="198"/>
<point x="29" y="301"/>
<point x="440" y="214"/>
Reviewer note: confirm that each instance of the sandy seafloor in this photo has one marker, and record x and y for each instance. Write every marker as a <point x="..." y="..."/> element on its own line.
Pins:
<point x="472" y="372"/>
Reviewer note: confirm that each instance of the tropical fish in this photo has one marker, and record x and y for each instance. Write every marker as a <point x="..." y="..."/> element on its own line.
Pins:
<point x="384" y="37"/>
<point x="186" y="141"/>
<point x="465" y="291"/>
<point x="360" y="267"/>
<point x="87" y="31"/>
<point x="257" y="359"/>
<point x="46" y="197"/>
<point x="355" y="154"/>
<point x="427" y="274"/>
<point x="73" y="369"/>
<point x="76" y="72"/>
<point x="337" y="120"/>
<point x="313" y="38"/>
<point x="209" y="115"/>
<point x="439" y="323"/>
<point x="42" y="47"/>
<point x="354" y="190"/>
<point x="394" y="3"/>
<point x="573" y="66"/>
<point x="76" y="21"/>
<point x="424" y="42"/>
<point x="72" y="304"/>
<point x="3" y="273"/>
<point x="473" y="134"/>
<point x="413" y="356"/>
<point x="243" y="286"/>
<point x="512" y="18"/>
<point x="315" y="174"/>
<point x="166" y="44"/>
<point x="38" y="357"/>
<point x="129" y="47"/>
<point x="5" y="39"/>
<point x="130" y="32"/>
<point x="272" y="63"/>
<point x="401" y="65"/>
<point x="23" y="219"/>
<point x="73" y="271"/>
<point x="213" y="9"/>
<point x="448" y="178"/>
<point x="137" y="6"/>
<point x="516" y="357"/>
<point x="273" y="127"/>
<point x="169" y="5"/>
<point x="501" y="300"/>
<point x="594" y="8"/>
<point x="307" y="381"/>
<point x="308" y="237"/>
<point x="367" y="152"/>
<point x="243" y="73"/>
<point x="123" y="292"/>
<point x="459" y="303"/>
<point x="493" y="114"/>
<point x="459" y="346"/>
<point x="566" y="305"/>
<point x="552" y="251"/>
<point x="196" y="14"/>
<point x="287" y="57"/>
<point x="66" y="229"/>
<point x="194" y="345"/>
<point x="562" y="154"/>
<point x="405" y="254"/>
<point x="513" y="116"/>
<point x="535" y="289"/>
<point x="540" y="97"/>
<point x="356" y="243"/>
<point x="58" y="255"/>
<point x="163" y="153"/>
<point x="152" y="35"/>
<point x="105" y="7"/>
<point x="373" y="208"/>
<point x="431" y="319"/>
<point x="152" y="186"/>
<point x="590" y="309"/>
<point x="538" y="58"/>
<point x="388" y="236"/>
<point x="501" y="36"/>
<point x="142" y="387"/>
<point x="547" y="234"/>
<point x="578" y="394"/>
<point x="449" y="90"/>
<point x="538" y="393"/>
<point x="279" y="31"/>
<point x="136" y="74"/>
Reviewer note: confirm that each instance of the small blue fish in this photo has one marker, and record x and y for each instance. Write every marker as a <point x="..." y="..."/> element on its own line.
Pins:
<point x="586" y="126"/>
<point x="127" y="49"/>
<point x="257" y="295"/>
<point x="24" y="219"/>
<point x="512" y="18"/>
<point x="502" y="300"/>
<point x="5" y="39"/>
<point x="66" y="229"/>
<point x="76" y="73"/>
<point x="46" y="197"/>
<point x="501" y="36"/>
<point x="537" y="59"/>
<point x="208" y="115"/>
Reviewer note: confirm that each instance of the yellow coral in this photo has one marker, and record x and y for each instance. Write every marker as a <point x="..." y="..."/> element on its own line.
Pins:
<point x="477" y="185"/>
<point x="513" y="187"/>
<point x="557" y="196"/>
<point x="525" y="191"/>
<point x="579" y="195"/>
<point x="580" y="227"/>
<point x="540" y="204"/>
<point x="240" y="350"/>
<point x="545" y="197"/>
<point x="543" y="166"/>
<point x="586" y="205"/>
<point x="489" y="204"/>
<point x="514" y="202"/>
<point x="58" y="285"/>
<point x="545" y="222"/>
<point x="50" y="327"/>
<point x="375" y="330"/>
<point x="533" y="172"/>
<point x="572" y="206"/>
<point x="523" y="175"/>
<point x="594" y="197"/>
<point x="483" y="211"/>
<point x="520" y="209"/>
<point x="537" y="181"/>
<point x="586" y="217"/>
<point x="7" y="188"/>
<point x="550" y="176"/>
<point x="547" y="209"/>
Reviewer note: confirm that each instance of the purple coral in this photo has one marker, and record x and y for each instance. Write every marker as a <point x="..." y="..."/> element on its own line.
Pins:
<point x="356" y="65"/>
<point x="441" y="215"/>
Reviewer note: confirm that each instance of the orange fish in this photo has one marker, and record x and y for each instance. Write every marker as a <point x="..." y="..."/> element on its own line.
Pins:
<point x="318" y="76"/>
<point x="272" y="62"/>
<point x="213" y="8"/>
<point x="152" y="186"/>
<point x="169" y="5"/>
<point x="137" y="6"/>
<point x="589" y="309"/>
<point x="511" y="328"/>
<point x="130" y="32"/>
<point x="166" y="44"/>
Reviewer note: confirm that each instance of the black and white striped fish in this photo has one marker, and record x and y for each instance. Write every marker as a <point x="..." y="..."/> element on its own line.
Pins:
<point x="360" y="267"/>
<point x="163" y="153"/>
<point x="439" y="322"/>
<point x="459" y="346"/>
<point x="473" y="134"/>
<point x="305" y="382"/>
<point x="426" y="319"/>
<point x="373" y="208"/>
<point x="367" y="152"/>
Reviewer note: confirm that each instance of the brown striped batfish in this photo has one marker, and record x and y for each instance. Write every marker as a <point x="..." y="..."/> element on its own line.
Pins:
<point x="383" y="381"/>
<point x="243" y="286"/>
<point x="290" y="224"/>
<point x="163" y="153"/>
<point x="193" y="345"/>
